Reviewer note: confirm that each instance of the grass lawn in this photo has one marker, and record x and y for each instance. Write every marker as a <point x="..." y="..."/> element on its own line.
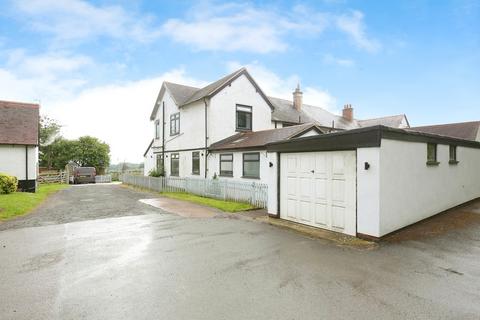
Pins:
<point x="228" y="206"/>
<point x="19" y="203"/>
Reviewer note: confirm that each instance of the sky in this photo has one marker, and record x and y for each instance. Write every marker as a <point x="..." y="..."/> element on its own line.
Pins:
<point x="97" y="66"/>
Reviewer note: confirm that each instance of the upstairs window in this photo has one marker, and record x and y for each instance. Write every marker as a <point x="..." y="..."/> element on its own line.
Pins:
<point x="226" y="165"/>
<point x="174" y="164"/>
<point x="175" y="124"/>
<point x="157" y="129"/>
<point x="251" y="165"/>
<point x="244" y="118"/>
<point x="453" y="154"/>
<point x="196" y="162"/>
<point x="432" y="154"/>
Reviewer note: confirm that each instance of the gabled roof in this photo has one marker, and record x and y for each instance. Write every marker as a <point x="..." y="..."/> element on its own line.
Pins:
<point x="179" y="92"/>
<point x="282" y="110"/>
<point x="258" y="139"/>
<point x="389" y="121"/>
<point x="462" y="130"/>
<point x="19" y="123"/>
<point x="184" y="95"/>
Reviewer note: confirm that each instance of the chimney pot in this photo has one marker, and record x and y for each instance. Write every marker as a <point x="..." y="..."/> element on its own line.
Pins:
<point x="347" y="112"/>
<point x="297" y="98"/>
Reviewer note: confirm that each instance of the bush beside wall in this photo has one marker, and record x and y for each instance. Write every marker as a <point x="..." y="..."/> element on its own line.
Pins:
<point x="8" y="184"/>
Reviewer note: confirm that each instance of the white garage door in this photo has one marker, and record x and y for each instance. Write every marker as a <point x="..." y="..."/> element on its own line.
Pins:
<point x="319" y="189"/>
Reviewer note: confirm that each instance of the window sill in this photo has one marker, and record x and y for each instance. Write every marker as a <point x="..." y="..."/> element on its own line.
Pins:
<point x="453" y="162"/>
<point x="174" y="175"/>
<point x="247" y="177"/>
<point x="243" y="130"/>
<point x="174" y="134"/>
<point x="432" y="163"/>
<point x="226" y="175"/>
<point x="195" y="174"/>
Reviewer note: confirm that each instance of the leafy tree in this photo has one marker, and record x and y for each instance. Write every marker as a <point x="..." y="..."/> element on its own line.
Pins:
<point x="49" y="131"/>
<point x="91" y="152"/>
<point x="63" y="151"/>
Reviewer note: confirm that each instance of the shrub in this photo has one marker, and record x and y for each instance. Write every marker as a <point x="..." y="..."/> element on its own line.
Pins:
<point x="155" y="173"/>
<point x="8" y="184"/>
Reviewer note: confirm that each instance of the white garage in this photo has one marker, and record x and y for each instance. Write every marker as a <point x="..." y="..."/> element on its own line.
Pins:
<point x="371" y="181"/>
<point x="318" y="189"/>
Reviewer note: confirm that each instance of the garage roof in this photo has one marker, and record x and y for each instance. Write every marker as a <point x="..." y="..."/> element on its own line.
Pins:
<point x="362" y="138"/>
<point x="19" y="123"/>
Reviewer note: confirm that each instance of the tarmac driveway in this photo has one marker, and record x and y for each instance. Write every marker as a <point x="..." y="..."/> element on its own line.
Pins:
<point x="150" y="264"/>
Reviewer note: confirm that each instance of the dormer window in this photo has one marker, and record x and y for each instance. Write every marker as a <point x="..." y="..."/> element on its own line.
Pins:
<point x="244" y="118"/>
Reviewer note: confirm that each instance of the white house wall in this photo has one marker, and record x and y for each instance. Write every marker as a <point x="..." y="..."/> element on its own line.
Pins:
<point x="411" y="191"/>
<point x="272" y="181"/>
<point x="368" y="191"/>
<point x="12" y="161"/>
<point x="222" y="109"/>
<point x="149" y="162"/>
<point x="214" y="166"/>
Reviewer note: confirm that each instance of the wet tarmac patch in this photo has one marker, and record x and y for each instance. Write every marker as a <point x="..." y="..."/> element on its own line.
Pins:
<point x="42" y="261"/>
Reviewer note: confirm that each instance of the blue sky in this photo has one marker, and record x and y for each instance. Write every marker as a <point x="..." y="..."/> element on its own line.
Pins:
<point x="108" y="58"/>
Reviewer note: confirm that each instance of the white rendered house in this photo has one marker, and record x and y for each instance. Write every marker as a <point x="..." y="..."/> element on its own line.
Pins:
<point x="188" y="121"/>
<point x="359" y="177"/>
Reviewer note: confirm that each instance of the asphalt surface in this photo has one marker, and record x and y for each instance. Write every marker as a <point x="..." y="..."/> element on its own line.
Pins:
<point x="150" y="264"/>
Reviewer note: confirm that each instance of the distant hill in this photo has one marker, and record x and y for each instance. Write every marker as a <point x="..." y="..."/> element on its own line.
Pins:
<point x="123" y="166"/>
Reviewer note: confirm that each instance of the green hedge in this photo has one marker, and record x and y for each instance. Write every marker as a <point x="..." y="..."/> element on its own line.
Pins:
<point x="8" y="184"/>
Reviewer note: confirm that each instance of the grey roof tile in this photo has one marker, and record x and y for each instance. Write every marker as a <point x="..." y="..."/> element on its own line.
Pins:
<point x="462" y="130"/>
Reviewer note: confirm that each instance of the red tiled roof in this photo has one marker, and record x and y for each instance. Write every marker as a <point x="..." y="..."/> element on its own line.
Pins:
<point x="461" y="130"/>
<point x="19" y="123"/>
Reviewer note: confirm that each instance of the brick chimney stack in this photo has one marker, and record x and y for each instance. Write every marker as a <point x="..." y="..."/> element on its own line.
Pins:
<point x="347" y="112"/>
<point x="297" y="98"/>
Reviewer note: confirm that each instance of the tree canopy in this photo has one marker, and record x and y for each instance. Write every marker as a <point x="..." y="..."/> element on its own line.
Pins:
<point x="56" y="151"/>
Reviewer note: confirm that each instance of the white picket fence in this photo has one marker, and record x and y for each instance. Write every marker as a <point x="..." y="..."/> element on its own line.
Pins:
<point x="103" y="178"/>
<point x="250" y="192"/>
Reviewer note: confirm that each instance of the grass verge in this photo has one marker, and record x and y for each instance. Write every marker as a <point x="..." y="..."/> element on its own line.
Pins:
<point x="228" y="206"/>
<point x="20" y="203"/>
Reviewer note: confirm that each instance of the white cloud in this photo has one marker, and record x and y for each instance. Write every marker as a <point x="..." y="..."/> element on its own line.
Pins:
<point x="282" y="87"/>
<point x="46" y="77"/>
<point x="77" y="19"/>
<point x="242" y="27"/>
<point x="331" y="59"/>
<point x="353" y="25"/>
<point x="117" y="114"/>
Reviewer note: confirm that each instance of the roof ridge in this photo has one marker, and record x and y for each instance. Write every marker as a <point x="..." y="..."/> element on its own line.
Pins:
<point x="20" y="103"/>
<point x="179" y="84"/>
<point x="220" y="81"/>
<point x="394" y="115"/>
<point x="446" y="124"/>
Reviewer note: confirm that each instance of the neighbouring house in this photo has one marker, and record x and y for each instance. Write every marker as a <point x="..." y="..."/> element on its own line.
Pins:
<point x="462" y="130"/>
<point x="19" y="125"/>
<point x="192" y="125"/>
